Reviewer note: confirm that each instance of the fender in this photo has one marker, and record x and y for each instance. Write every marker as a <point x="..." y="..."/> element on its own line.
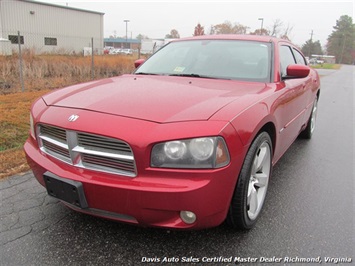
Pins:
<point x="253" y="120"/>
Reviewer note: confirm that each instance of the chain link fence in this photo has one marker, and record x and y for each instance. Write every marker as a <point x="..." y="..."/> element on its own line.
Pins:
<point x="34" y="62"/>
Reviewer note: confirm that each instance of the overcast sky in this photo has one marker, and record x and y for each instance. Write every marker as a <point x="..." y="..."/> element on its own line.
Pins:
<point x="157" y="18"/>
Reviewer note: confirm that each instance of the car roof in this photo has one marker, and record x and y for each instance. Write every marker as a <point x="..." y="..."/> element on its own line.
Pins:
<point x="234" y="37"/>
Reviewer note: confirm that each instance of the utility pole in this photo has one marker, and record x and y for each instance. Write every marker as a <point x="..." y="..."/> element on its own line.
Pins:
<point x="310" y="45"/>
<point x="261" y="28"/>
<point x="20" y="60"/>
<point x="342" y="50"/>
<point x="126" y="21"/>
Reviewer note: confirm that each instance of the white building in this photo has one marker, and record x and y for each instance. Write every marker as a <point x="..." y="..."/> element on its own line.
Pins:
<point x="150" y="46"/>
<point x="48" y="28"/>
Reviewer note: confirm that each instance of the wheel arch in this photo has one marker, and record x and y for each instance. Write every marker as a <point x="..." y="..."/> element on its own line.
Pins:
<point x="254" y="120"/>
<point x="267" y="125"/>
<point x="269" y="128"/>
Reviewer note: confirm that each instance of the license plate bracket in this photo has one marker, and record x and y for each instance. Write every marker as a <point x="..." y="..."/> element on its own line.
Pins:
<point x="69" y="191"/>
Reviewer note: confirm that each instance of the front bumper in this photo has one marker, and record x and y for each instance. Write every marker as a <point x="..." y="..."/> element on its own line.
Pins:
<point x="154" y="198"/>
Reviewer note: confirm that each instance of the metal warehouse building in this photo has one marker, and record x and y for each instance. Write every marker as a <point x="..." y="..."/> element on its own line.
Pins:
<point x="48" y="28"/>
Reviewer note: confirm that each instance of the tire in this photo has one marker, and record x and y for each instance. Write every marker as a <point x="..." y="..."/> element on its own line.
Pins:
<point x="307" y="133"/>
<point x="252" y="184"/>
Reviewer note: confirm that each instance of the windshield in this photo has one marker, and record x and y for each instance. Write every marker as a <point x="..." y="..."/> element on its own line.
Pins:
<point x="223" y="59"/>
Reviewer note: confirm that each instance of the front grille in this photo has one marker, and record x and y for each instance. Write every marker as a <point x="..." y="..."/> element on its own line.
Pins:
<point x="102" y="143"/>
<point x="54" y="132"/>
<point x="106" y="163"/>
<point x="88" y="151"/>
<point x="54" y="149"/>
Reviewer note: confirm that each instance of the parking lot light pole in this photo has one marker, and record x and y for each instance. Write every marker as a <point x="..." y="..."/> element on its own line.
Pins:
<point x="261" y="28"/>
<point x="126" y="21"/>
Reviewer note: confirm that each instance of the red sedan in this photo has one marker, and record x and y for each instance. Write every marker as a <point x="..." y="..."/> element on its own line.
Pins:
<point x="186" y="141"/>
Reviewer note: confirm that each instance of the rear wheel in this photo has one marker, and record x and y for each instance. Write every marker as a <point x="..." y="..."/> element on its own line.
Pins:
<point x="250" y="192"/>
<point x="311" y="125"/>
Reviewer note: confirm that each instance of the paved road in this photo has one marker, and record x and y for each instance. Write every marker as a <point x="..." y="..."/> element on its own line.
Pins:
<point x="309" y="209"/>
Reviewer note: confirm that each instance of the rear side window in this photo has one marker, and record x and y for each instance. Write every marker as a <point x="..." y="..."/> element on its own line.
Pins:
<point x="299" y="57"/>
<point x="286" y="58"/>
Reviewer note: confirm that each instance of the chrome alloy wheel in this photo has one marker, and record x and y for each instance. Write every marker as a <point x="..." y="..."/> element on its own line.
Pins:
<point x="314" y="115"/>
<point x="259" y="179"/>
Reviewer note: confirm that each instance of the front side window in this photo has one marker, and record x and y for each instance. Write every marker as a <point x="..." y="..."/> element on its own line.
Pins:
<point x="299" y="57"/>
<point x="286" y="59"/>
<point x="221" y="59"/>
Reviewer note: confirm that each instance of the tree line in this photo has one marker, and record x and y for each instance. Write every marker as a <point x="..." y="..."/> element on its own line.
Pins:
<point x="340" y="43"/>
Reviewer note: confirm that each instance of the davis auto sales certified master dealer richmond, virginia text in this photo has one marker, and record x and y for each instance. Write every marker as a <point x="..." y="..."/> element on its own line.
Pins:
<point x="237" y="259"/>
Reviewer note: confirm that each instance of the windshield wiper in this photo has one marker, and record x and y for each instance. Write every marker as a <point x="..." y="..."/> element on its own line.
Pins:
<point x="145" y="73"/>
<point x="186" y="75"/>
<point x="192" y="75"/>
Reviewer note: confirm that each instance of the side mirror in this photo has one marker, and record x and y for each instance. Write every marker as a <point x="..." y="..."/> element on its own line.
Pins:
<point x="297" y="71"/>
<point x="138" y="62"/>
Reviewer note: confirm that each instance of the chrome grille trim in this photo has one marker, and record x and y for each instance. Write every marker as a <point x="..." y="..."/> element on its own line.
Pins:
<point x="102" y="153"/>
<point x="102" y="143"/>
<point x="55" y="150"/>
<point x="104" y="163"/>
<point x="55" y="133"/>
<point x="54" y="142"/>
<point x="88" y="151"/>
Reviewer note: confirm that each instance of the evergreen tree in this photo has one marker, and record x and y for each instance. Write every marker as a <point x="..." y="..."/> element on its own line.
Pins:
<point x="341" y="42"/>
<point x="311" y="47"/>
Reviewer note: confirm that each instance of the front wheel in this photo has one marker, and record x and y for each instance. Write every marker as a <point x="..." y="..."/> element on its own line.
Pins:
<point x="250" y="192"/>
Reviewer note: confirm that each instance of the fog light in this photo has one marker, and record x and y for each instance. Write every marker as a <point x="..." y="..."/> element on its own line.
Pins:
<point x="188" y="217"/>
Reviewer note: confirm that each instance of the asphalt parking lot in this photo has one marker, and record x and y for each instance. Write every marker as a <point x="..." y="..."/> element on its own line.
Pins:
<point x="308" y="214"/>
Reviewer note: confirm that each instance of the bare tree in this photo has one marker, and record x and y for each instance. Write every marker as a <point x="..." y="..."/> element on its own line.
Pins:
<point x="263" y="32"/>
<point x="228" y="28"/>
<point x="223" y="28"/>
<point x="286" y="32"/>
<point x="142" y="37"/>
<point x="212" y="31"/>
<point x="276" y="27"/>
<point x="240" y="29"/>
<point x="174" y="34"/>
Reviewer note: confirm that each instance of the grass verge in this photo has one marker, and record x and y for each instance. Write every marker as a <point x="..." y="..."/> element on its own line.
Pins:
<point x="15" y="124"/>
<point x="326" y="66"/>
<point x="42" y="74"/>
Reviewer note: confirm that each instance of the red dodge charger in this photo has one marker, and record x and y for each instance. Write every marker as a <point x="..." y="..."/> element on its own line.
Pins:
<point x="186" y="141"/>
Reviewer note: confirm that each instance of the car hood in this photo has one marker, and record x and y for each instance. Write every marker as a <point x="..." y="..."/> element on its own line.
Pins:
<point x="161" y="99"/>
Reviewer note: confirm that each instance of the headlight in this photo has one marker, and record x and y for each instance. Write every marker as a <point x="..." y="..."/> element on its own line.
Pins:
<point x="202" y="149"/>
<point x="175" y="150"/>
<point x="208" y="152"/>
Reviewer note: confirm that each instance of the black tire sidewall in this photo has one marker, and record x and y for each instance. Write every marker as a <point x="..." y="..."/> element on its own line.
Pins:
<point x="307" y="132"/>
<point x="238" y="215"/>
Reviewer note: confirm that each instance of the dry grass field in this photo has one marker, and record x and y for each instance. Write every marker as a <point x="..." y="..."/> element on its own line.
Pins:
<point x="41" y="74"/>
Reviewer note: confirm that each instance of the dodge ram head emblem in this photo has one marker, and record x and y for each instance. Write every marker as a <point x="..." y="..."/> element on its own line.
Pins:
<point x="73" y="118"/>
